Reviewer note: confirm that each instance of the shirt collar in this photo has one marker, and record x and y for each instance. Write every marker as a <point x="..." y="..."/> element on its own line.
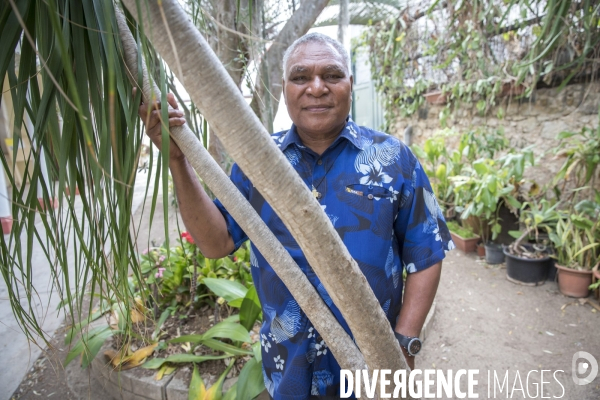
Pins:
<point x="351" y="132"/>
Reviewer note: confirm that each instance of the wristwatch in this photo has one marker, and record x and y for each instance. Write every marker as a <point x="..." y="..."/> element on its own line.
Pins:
<point x="411" y="344"/>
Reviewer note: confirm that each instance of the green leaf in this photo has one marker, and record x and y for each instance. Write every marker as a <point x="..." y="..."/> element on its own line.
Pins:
<point x="257" y="351"/>
<point x="226" y="348"/>
<point x="250" y="382"/>
<point x="163" y="317"/>
<point x="228" y="330"/>
<point x="515" y="234"/>
<point x="187" y="338"/>
<point x="231" y="393"/>
<point x="181" y="358"/>
<point x="237" y="303"/>
<point x="197" y="387"/>
<point x="480" y="167"/>
<point x="89" y="345"/>
<point x="154" y="363"/>
<point x="229" y="290"/>
<point x="250" y="309"/>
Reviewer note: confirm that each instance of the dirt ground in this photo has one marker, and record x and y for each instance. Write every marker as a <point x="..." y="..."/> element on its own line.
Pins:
<point x="482" y="322"/>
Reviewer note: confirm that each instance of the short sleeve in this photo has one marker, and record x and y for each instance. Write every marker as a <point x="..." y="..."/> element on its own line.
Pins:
<point x="243" y="184"/>
<point x="420" y="227"/>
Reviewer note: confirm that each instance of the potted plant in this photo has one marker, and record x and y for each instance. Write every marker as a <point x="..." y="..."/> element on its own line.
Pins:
<point x="436" y="97"/>
<point x="530" y="263"/>
<point x="595" y="286"/>
<point x="463" y="237"/>
<point x="577" y="248"/>
<point x="440" y="166"/>
<point x="481" y="191"/>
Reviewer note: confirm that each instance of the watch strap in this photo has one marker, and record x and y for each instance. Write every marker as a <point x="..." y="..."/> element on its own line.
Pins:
<point x="405" y="341"/>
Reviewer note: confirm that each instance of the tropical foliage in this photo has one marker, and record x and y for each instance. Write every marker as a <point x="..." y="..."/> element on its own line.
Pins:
<point x="179" y="283"/>
<point x="477" y="52"/>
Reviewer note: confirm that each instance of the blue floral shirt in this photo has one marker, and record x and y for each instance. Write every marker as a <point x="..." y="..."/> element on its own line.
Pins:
<point x="381" y="204"/>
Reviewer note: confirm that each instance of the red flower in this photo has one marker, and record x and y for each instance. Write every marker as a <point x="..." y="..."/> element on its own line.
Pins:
<point x="234" y="259"/>
<point x="187" y="237"/>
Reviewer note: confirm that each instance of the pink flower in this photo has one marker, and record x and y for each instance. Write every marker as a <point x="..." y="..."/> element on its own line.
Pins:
<point x="145" y="252"/>
<point x="162" y="258"/>
<point x="235" y="259"/>
<point x="159" y="274"/>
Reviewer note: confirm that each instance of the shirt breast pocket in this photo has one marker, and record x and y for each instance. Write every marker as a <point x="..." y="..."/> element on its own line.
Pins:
<point x="369" y="192"/>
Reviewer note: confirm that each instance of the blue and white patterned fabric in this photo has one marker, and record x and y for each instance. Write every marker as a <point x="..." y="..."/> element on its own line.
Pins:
<point x="381" y="204"/>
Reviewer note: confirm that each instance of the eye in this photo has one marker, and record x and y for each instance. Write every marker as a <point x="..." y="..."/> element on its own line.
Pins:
<point x="298" y="79"/>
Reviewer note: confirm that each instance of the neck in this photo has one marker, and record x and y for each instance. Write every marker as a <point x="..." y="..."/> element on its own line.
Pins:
<point x="319" y="143"/>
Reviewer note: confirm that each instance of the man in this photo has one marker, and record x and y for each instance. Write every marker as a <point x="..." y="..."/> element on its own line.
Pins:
<point x="371" y="187"/>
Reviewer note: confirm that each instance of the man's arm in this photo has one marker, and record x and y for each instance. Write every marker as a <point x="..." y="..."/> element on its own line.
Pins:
<point x="200" y="215"/>
<point x="419" y="293"/>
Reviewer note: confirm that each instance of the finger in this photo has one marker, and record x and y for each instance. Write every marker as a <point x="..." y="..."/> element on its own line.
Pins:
<point x="156" y="105"/>
<point x="176" y="122"/>
<point x="143" y="110"/>
<point x="171" y="100"/>
<point x="175" y="113"/>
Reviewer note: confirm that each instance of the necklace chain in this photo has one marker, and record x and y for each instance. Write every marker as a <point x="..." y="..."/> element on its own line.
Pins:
<point x="315" y="189"/>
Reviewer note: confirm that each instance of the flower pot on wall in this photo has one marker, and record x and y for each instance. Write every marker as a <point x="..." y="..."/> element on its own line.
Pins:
<point x="511" y="89"/>
<point x="436" y="98"/>
<point x="573" y="282"/>
<point x="526" y="271"/>
<point x="494" y="254"/>
<point x="465" y="245"/>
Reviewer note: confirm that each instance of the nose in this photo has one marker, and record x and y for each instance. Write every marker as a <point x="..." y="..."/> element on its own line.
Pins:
<point x="317" y="87"/>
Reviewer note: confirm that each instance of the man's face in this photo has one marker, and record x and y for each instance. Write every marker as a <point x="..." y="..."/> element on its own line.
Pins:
<point x="317" y="90"/>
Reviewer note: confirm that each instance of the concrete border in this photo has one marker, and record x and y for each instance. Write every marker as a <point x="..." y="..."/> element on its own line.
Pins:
<point x="127" y="385"/>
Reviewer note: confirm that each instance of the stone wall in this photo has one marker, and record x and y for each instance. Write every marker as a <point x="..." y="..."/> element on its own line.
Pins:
<point x="531" y="121"/>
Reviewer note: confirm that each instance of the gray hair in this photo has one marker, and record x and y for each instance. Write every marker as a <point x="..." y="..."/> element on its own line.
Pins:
<point x="316" y="38"/>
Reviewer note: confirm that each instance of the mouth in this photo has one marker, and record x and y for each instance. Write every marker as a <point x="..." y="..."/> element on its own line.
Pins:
<point x="317" y="109"/>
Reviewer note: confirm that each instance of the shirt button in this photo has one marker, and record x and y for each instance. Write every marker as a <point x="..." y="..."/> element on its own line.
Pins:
<point x="320" y="161"/>
<point x="370" y="197"/>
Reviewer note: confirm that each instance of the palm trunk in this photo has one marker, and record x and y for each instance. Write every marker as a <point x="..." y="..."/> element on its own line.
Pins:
<point x="286" y="268"/>
<point x="250" y="145"/>
<point x="344" y="22"/>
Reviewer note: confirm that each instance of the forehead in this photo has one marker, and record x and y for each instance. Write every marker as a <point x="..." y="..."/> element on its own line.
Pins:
<point x="315" y="54"/>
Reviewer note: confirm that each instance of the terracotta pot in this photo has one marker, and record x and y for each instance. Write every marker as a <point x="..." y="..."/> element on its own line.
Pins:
<point x="7" y="223"/>
<point x="436" y="98"/>
<point x="596" y="278"/>
<point x="53" y="203"/>
<point x="511" y="89"/>
<point x="480" y="250"/>
<point x="465" y="245"/>
<point x="572" y="282"/>
<point x="68" y="191"/>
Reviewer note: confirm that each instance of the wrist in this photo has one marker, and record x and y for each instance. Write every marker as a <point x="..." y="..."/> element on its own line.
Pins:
<point x="179" y="162"/>
<point x="411" y="345"/>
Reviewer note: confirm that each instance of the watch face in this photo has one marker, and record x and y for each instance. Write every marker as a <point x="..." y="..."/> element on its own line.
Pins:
<point x="414" y="346"/>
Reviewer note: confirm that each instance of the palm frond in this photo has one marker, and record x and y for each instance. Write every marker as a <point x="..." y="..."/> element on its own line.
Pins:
<point x="73" y="108"/>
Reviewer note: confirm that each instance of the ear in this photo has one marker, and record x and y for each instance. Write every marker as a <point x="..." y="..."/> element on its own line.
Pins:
<point x="283" y="89"/>
<point x="351" y="85"/>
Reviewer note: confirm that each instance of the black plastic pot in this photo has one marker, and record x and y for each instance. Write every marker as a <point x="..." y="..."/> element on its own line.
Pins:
<point x="527" y="271"/>
<point x="494" y="254"/>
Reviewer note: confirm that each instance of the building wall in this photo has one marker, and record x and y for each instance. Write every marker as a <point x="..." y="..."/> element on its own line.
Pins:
<point x="533" y="121"/>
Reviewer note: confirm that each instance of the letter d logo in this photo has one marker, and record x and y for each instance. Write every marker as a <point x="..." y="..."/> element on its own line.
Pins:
<point x="581" y="368"/>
